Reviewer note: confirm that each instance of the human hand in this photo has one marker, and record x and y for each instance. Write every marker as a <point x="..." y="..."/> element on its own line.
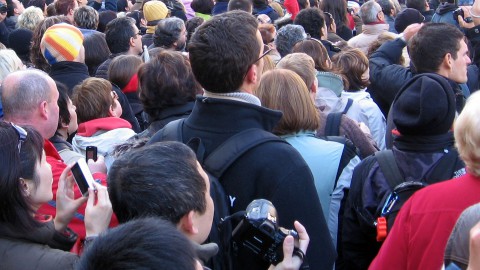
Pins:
<point x="66" y="204"/>
<point x="97" y="216"/>
<point x="411" y="30"/>
<point x="291" y="261"/>
<point x="97" y="166"/>
<point x="474" y="12"/>
<point x="466" y="14"/>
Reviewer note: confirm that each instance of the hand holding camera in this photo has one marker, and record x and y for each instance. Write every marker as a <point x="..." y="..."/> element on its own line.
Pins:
<point x="259" y="232"/>
<point x="291" y="259"/>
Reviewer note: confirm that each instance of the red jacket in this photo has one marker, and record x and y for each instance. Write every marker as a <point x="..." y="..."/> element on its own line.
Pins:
<point x="422" y="228"/>
<point x="77" y="225"/>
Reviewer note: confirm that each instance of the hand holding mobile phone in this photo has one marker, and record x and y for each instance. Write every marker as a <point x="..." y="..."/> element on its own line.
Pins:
<point x="83" y="177"/>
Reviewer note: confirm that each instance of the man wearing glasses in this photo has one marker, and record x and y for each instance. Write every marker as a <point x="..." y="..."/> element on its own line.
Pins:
<point x="226" y="54"/>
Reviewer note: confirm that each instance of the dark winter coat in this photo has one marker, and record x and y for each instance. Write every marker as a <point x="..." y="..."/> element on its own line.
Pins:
<point x="274" y="171"/>
<point x="69" y="73"/>
<point x="416" y="157"/>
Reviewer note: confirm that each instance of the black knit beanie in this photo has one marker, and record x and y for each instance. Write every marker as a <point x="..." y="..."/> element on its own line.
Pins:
<point x="19" y="40"/>
<point x="424" y="106"/>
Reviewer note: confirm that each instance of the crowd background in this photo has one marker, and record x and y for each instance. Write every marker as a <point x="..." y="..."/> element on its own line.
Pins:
<point x="337" y="88"/>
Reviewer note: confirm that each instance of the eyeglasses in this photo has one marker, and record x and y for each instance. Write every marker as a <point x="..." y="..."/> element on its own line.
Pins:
<point x="22" y="135"/>
<point x="258" y="59"/>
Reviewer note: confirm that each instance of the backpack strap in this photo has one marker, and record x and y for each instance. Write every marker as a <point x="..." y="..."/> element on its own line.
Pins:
<point x="347" y="107"/>
<point x="224" y="155"/>
<point x="389" y="167"/>
<point x="445" y="167"/>
<point x="332" y="127"/>
<point x="348" y="153"/>
<point x="173" y="131"/>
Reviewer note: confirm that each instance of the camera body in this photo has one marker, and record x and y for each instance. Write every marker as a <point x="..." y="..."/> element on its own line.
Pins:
<point x="3" y="8"/>
<point x="458" y="12"/>
<point x="258" y="232"/>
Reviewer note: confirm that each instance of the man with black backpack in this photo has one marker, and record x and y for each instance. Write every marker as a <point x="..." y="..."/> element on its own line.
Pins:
<point x="423" y="154"/>
<point x="226" y="57"/>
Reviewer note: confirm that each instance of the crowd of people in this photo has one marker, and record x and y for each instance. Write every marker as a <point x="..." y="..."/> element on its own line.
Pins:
<point x="240" y="134"/>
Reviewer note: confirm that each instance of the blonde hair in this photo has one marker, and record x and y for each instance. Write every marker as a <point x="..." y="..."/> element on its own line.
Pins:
<point x="9" y="62"/>
<point x="284" y="90"/>
<point x="302" y="64"/>
<point x="467" y="134"/>
<point x="30" y="18"/>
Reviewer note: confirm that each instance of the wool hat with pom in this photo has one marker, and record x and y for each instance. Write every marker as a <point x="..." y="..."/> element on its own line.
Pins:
<point x="61" y="42"/>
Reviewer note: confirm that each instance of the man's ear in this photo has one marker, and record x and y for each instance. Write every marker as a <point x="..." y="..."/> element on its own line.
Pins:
<point x="187" y="224"/>
<point x="448" y="61"/>
<point x="43" y="109"/>
<point x="252" y="74"/>
<point x="71" y="11"/>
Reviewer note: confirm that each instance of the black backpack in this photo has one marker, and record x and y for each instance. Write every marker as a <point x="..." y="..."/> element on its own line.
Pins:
<point x="402" y="190"/>
<point x="332" y="127"/>
<point x="215" y="165"/>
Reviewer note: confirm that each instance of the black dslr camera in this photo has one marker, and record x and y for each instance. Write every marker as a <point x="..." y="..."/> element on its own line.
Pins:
<point x="258" y="232"/>
<point x="3" y="8"/>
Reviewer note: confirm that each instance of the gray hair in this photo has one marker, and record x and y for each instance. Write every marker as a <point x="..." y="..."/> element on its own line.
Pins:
<point x="30" y="18"/>
<point x="22" y="91"/>
<point x="86" y="17"/>
<point x="369" y="11"/>
<point x="287" y="37"/>
<point x="168" y="32"/>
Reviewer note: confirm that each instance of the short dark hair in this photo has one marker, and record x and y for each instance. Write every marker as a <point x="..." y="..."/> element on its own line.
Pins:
<point x="63" y="97"/>
<point x="104" y="17"/>
<point x="223" y="49"/>
<point x="429" y="46"/>
<point x="118" y="33"/>
<point x="168" y="32"/>
<point x="86" y="17"/>
<point x="96" y="51"/>
<point x="416" y="4"/>
<point x="122" y="5"/>
<point x="159" y="180"/>
<point x="167" y="80"/>
<point x="245" y="5"/>
<point x="147" y="243"/>
<point x="62" y="7"/>
<point x="16" y="212"/>
<point x="351" y="64"/>
<point x="302" y="4"/>
<point x="192" y="25"/>
<point x="387" y="6"/>
<point x="36" y="3"/>
<point x="202" y="6"/>
<point x="122" y="68"/>
<point x="312" y="21"/>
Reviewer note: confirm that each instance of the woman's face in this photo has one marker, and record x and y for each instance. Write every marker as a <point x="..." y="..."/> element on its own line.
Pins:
<point x="73" y="125"/>
<point x="42" y="193"/>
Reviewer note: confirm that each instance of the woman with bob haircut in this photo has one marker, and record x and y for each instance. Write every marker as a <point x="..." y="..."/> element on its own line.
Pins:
<point x="284" y="90"/>
<point x="29" y="240"/>
<point x="352" y="65"/>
